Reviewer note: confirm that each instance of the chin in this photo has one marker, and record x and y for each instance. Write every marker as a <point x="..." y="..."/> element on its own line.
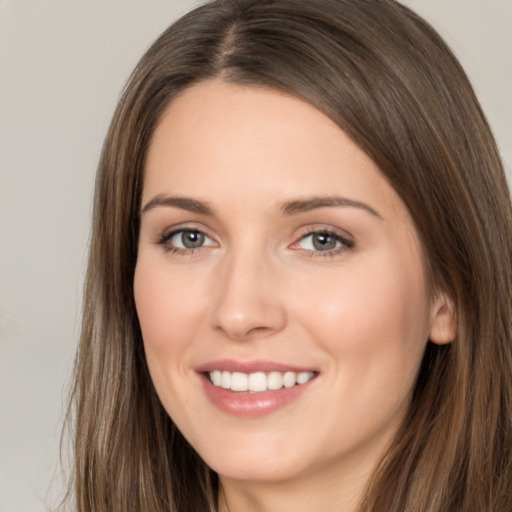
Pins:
<point x="261" y="469"/>
<point x="252" y="460"/>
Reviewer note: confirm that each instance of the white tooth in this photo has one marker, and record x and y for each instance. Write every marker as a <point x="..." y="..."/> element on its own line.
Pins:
<point x="216" y="377"/>
<point x="239" y="381"/>
<point x="303" y="377"/>
<point x="226" y="380"/>
<point x="257" y="381"/>
<point x="289" y="379"/>
<point x="275" y="380"/>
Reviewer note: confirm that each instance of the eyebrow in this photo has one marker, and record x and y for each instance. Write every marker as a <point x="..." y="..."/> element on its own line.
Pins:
<point x="287" y="208"/>
<point x="306" y="205"/>
<point x="185" y="203"/>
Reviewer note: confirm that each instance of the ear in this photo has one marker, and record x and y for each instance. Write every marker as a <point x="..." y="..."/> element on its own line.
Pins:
<point x="443" y="323"/>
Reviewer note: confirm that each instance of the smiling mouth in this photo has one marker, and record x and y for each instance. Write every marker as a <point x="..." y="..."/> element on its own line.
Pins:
<point x="258" y="382"/>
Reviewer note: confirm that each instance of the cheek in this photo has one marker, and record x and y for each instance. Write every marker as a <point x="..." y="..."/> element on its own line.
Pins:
<point x="168" y="305"/>
<point x="166" y="301"/>
<point x="168" y="308"/>
<point x="376" y="333"/>
<point x="374" y="322"/>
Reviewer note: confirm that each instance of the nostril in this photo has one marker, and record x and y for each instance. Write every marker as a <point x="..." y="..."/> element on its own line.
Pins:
<point x="259" y="330"/>
<point x="242" y="334"/>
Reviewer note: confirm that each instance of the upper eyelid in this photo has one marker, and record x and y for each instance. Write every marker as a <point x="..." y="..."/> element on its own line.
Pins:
<point x="342" y="240"/>
<point x="323" y="228"/>
<point x="326" y="232"/>
<point x="187" y="226"/>
<point x="174" y="232"/>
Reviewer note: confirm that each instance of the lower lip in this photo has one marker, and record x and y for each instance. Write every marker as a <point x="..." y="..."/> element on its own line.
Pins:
<point x="251" y="405"/>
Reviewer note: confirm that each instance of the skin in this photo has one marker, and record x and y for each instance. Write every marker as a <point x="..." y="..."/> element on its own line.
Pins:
<point x="360" y="315"/>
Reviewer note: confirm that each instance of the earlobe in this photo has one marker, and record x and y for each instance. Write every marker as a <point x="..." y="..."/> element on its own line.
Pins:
<point x="443" y="325"/>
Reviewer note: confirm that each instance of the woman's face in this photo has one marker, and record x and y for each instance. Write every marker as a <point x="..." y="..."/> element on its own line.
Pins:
<point x="276" y="261"/>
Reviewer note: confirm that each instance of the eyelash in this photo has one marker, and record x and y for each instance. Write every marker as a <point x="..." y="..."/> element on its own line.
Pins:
<point x="345" y="244"/>
<point x="165" y="238"/>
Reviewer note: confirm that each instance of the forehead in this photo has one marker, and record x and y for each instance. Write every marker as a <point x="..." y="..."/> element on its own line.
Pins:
<point x="231" y="141"/>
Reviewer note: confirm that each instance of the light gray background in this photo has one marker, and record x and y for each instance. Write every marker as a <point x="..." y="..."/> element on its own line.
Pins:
<point x="62" y="67"/>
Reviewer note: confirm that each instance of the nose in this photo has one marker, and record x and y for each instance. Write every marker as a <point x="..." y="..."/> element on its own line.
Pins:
<point x="248" y="301"/>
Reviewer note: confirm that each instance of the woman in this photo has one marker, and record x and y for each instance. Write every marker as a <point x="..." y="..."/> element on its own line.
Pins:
<point x="299" y="286"/>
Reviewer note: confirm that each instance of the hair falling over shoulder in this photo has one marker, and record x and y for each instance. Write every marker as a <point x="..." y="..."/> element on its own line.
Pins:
<point x="389" y="81"/>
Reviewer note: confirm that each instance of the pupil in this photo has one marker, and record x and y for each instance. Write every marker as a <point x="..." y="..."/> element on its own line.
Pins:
<point x="192" y="239"/>
<point x="324" y="242"/>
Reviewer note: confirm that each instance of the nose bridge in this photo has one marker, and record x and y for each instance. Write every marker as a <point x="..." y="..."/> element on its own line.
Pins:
<point x="247" y="301"/>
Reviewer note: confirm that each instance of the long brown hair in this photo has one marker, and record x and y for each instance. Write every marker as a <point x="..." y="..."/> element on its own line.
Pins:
<point x="389" y="81"/>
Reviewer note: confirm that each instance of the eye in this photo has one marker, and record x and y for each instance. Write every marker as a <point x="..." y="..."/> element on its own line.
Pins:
<point x="186" y="240"/>
<point x="323" y="241"/>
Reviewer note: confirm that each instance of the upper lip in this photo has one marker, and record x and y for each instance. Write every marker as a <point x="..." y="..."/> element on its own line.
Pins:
<point x="231" y="365"/>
